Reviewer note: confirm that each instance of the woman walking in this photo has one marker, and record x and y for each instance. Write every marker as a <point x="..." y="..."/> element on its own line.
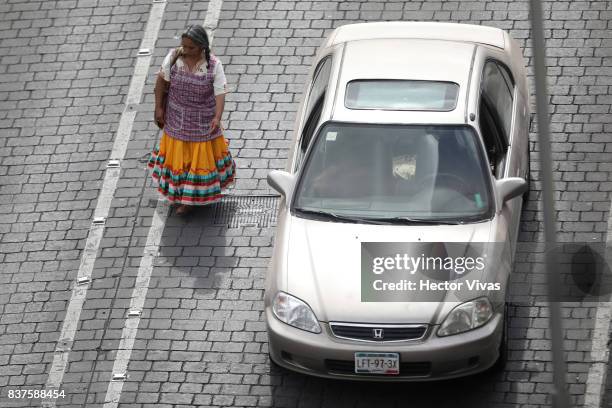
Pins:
<point x="192" y="162"/>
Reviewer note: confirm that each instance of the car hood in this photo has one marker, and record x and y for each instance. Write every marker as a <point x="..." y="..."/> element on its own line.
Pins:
<point x="324" y="268"/>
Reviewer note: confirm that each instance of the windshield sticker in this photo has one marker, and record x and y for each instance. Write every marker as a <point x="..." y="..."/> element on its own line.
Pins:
<point x="331" y="136"/>
<point x="404" y="166"/>
<point x="478" y="200"/>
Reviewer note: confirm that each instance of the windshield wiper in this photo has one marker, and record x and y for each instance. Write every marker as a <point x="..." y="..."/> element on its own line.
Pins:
<point x="378" y="220"/>
<point x="417" y="221"/>
<point x="344" y="218"/>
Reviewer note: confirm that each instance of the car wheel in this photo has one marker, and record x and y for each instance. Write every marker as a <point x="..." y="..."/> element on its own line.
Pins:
<point x="502" y="359"/>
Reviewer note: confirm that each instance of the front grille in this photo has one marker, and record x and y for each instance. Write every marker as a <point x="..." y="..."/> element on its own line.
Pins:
<point x="407" y="369"/>
<point x="378" y="333"/>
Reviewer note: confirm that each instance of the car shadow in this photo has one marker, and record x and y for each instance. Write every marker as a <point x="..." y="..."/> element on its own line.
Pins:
<point x="297" y="390"/>
<point x="511" y="386"/>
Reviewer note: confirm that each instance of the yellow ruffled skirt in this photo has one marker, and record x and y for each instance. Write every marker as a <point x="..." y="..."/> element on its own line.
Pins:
<point x="192" y="173"/>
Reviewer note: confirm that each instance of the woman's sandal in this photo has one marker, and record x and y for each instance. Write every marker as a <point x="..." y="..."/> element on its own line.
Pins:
<point x="183" y="209"/>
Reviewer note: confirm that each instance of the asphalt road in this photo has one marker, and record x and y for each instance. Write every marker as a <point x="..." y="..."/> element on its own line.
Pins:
<point x="65" y="72"/>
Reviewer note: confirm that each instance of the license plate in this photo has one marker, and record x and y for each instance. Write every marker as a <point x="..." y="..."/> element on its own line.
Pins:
<point x="377" y="363"/>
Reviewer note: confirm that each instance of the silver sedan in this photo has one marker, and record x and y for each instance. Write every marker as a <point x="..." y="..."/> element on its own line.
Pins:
<point x="411" y="137"/>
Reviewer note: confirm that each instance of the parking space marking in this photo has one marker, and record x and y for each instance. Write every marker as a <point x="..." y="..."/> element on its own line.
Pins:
<point x="212" y="18"/>
<point x="73" y="312"/>
<point x="111" y="177"/>
<point x="145" y="269"/>
<point x="139" y="295"/>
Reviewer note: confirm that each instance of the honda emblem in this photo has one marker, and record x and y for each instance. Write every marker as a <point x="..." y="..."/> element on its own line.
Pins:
<point x="378" y="333"/>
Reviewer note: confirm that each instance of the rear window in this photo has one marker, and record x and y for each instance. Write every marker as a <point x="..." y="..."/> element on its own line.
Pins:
<point x="401" y="95"/>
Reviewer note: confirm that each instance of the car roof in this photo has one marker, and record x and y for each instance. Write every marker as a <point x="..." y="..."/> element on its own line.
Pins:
<point x="414" y="59"/>
<point x="425" y="30"/>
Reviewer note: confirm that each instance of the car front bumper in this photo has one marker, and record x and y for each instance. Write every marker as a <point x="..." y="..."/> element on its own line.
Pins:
<point x="433" y="358"/>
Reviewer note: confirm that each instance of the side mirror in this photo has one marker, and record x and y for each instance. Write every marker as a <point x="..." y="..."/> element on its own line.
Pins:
<point x="510" y="187"/>
<point x="282" y="182"/>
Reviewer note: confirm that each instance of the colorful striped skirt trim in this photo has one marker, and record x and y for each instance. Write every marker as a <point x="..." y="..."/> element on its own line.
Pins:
<point x="192" y="173"/>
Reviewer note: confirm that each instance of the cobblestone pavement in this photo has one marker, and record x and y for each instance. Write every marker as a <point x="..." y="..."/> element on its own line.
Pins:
<point x="64" y="74"/>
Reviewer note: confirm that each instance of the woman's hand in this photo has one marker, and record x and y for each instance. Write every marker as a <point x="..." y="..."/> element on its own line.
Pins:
<point x="161" y="93"/>
<point x="215" y="124"/>
<point x="219" y="104"/>
<point x="159" y="117"/>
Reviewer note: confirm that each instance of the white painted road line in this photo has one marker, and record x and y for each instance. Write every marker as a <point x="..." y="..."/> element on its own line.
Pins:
<point x="598" y="370"/>
<point x="88" y="258"/>
<point x="212" y="18"/>
<point x="139" y="294"/>
<point x="73" y="312"/>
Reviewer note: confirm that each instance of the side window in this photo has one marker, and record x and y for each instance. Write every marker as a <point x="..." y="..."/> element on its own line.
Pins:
<point x="490" y="131"/>
<point x="508" y="77"/>
<point x="314" y="106"/>
<point x="496" y="109"/>
<point x="498" y="89"/>
<point x="310" y="126"/>
<point x="319" y="84"/>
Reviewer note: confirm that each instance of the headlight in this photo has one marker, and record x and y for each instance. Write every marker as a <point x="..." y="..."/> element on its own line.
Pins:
<point x="294" y="312"/>
<point x="466" y="316"/>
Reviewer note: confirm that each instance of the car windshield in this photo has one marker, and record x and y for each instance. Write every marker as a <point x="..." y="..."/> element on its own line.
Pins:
<point x="394" y="172"/>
